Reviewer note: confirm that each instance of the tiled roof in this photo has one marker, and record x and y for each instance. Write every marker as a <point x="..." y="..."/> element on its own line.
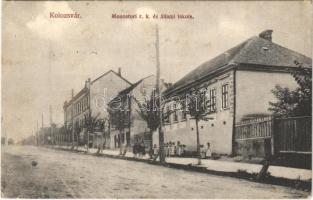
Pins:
<point x="255" y="50"/>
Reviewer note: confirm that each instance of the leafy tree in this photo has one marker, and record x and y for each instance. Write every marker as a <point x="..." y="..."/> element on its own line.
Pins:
<point x="298" y="102"/>
<point x="149" y="112"/>
<point x="90" y="123"/>
<point x="118" y="119"/>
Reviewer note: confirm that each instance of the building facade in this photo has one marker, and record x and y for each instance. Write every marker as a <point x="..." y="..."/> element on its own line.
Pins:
<point x="128" y="125"/>
<point x="237" y="86"/>
<point x="90" y="102"/>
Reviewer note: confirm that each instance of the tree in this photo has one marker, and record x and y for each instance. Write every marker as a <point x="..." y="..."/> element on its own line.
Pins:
<point x="118" y="119"/>
<point x="298" y="102"/>
<point x="195" y="105"/>
<point x="90" y="124"/>
<point x="75" y="134"/>
<point x="149" y="113"/>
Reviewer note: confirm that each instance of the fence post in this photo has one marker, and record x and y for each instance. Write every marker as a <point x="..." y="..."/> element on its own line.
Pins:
<point x="273" y="136"/>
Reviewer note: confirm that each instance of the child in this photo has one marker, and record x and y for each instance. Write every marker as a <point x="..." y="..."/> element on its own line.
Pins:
<point x="155" y="152"/>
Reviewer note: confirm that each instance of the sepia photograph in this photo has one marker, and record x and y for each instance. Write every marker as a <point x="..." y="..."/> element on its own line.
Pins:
<point x="156" y="99"/>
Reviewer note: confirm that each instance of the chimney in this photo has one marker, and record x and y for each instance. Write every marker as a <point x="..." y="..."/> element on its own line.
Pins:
<point x="119" y="71"/>
<point x="267" y="35"/>
<point x="72" y="93"/>
<point x="87" y="83"/>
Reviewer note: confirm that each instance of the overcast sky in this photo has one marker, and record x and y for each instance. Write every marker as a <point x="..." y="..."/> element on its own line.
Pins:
<point x="44" y="58"/>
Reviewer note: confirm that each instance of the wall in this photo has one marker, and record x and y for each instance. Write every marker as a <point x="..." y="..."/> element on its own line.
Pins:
<point x="253" y="91"/>
<point x="102" y="90"/>
<point x="138" y="126"/>
<point x="217" y="131"/>
<point x="253" y="94"/>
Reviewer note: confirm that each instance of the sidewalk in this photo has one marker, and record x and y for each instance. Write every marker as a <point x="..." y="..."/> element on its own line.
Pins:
<point x="218" y="165"/>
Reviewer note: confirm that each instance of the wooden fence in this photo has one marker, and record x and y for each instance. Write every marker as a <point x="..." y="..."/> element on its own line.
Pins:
<point x="254" y="129"/>
<point x="291" y="135"/>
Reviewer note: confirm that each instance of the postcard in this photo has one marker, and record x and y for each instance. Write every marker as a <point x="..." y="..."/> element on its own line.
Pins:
<point x="156" y="99"/>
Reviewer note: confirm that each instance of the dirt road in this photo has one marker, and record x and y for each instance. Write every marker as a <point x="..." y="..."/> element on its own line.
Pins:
<point x="62" y="174"/>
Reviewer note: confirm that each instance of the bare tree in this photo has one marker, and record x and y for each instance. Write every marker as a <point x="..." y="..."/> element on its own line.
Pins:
<point x="195" y="105"/>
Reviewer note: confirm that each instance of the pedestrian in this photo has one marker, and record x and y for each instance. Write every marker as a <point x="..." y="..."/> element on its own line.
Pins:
<point x="143" y="148"/>
<point x="135" y="149"/>
<point x="178" y="149"/>
<point x="172" y="151"/>
<point x="183" y="149"/>
<point x="208" y="153"/>
<point x="166" y="149"/>
<point x="155" y="152"/>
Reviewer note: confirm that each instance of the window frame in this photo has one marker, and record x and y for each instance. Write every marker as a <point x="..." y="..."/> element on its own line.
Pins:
<point x="225" y="96"/>
<point x="211" y="102"/>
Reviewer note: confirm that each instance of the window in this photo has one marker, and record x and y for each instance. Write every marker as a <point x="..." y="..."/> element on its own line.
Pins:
<point x="225" y="96"/>
<point x="175" y="113"/>
<point x="211" y="103"/>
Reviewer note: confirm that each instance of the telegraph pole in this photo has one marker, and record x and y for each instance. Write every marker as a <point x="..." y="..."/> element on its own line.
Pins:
<point x="52" y="139"/>
<point x="161" y="134"/>
<point x="41" y="120"/>
<point x="43" y="133"/>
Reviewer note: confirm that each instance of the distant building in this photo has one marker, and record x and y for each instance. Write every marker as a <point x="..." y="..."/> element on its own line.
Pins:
<point x="91" y="101"/>
<point x="238" y="86"/>
<point x="129" y="126"/>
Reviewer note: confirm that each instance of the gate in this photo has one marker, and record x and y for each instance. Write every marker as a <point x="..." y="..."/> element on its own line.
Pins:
<point x="293" y="135"/>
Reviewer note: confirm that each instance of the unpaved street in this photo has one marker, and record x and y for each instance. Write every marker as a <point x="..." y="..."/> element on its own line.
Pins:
<point x="63" y="174"/>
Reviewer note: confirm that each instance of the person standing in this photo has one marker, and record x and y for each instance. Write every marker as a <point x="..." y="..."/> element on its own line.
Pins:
<point x="208" y="153"/>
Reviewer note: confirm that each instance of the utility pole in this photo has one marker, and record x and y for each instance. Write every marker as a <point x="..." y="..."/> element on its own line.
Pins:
<point x="37" y="134"/>
<point x="52" y="136"/>
<point x="50" y="112"/>
<point x="43" y="132"/>
<point x="41" y="120"/>
<point x="72" y="113"/>
<point x="161" y="134"/>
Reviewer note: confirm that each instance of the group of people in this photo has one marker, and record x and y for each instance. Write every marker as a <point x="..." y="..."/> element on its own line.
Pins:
<point x="139" y="149"/>
<point x="171" y="149"/>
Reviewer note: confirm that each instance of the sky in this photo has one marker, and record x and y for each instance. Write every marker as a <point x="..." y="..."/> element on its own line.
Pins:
<point x="43" y="58"/>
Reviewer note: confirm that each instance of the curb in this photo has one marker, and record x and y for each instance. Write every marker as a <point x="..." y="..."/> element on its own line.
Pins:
<point x="296" y="184"/>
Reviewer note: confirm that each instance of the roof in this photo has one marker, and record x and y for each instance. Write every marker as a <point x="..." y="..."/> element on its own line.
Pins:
<point x="76" y="96"/>
<point x="130" y="88"/>
<point x="84" y="89"/>
<point x="255" y="51"/>
<point x="113" y="73"/>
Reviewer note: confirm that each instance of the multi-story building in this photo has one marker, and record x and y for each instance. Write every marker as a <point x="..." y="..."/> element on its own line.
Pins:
<point x="237" y="84"/>
<point x="127" y="123"/>
<point x="90" y="101"/>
